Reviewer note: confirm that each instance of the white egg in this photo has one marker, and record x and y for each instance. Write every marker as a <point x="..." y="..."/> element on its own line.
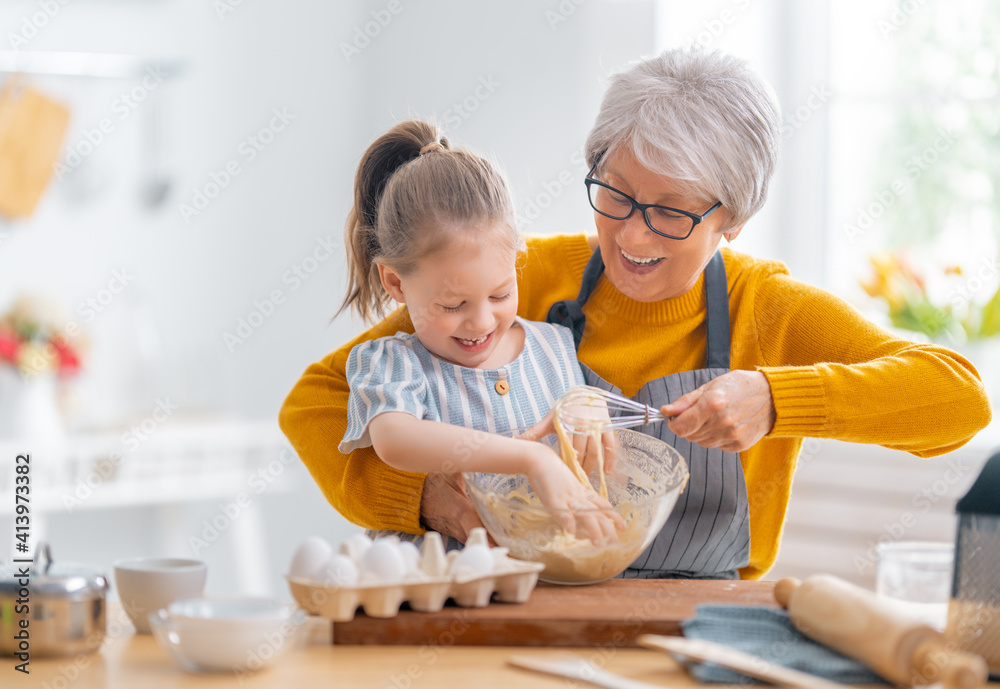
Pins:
<point x="411" y="556"/>
<point x="473" y="561"/>
<point x="338" y="570"/>
<point x="384" y="561"/>
<point x="312" y="554"/>
<point x="356" y="546"/>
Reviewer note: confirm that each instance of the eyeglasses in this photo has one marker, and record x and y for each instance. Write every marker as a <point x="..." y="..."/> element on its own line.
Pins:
<point x="672" y="223"/>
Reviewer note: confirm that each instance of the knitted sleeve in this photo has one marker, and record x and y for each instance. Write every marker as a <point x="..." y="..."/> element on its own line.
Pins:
<point x="834" y="374"/>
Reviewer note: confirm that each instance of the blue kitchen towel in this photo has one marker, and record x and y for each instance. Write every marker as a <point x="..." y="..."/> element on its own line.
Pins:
<point x="768" y="633"/>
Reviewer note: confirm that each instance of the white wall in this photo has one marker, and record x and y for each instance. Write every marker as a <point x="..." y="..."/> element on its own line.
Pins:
<point x="786" y="42"/>
<point x="194" y="280"/>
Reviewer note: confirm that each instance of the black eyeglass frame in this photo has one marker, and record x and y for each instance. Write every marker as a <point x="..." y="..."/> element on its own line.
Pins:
<point x="643" y="207"/>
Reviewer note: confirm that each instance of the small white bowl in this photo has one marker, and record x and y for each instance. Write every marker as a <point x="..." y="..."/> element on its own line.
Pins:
<point x="226" y="634"/>
<point x="146" y="584"/>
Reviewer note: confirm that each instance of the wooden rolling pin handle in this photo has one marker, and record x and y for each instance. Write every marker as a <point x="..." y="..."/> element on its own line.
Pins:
<point x="931" y="660"/>
<point x="934" y="662"/>
<point x="784" y="589"/>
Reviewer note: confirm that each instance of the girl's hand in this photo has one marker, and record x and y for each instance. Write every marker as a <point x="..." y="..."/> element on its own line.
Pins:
<point x="557" y="487"/>
<point x="585" y="446"/>
<point x="731" y="412"/>
<point x="588" y="446"/>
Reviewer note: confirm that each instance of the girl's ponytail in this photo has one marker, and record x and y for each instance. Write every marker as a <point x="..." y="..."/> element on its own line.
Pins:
<point x="412" y="194"/>
<point x="391" y="151"/>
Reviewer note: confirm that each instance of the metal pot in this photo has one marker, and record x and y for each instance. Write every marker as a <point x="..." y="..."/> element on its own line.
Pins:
<point x="64" y="608"/>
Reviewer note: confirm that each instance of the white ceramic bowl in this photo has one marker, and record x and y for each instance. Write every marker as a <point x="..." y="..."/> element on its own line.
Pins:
<point x="147" y="584"/>
<point x="226" y="634"/>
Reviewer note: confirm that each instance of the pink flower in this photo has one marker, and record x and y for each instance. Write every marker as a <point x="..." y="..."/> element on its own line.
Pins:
<point x="69" y="361"/>
<point x="9" y="344"/>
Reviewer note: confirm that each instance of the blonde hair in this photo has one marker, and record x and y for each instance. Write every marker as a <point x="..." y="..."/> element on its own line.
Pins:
<point x="412" y="194"/>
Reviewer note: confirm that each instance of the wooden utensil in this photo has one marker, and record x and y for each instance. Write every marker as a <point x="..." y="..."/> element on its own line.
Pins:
<point x="581" y="670"/>
<point x="31" y="133"/>
<point x="858" y="624"/>
<point x="739" y="661"/>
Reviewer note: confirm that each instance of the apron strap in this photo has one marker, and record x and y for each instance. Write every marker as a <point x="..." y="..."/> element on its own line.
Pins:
<point x="717" y="298"/>
<point x="569" y="312"/>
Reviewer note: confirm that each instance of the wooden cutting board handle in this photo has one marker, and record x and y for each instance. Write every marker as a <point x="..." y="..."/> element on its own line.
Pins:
<point x="858" y="624"/>
<point x="31" y="132"/>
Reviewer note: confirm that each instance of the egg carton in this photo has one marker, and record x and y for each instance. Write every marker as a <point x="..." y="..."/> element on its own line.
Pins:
<point x="365" y="574"/>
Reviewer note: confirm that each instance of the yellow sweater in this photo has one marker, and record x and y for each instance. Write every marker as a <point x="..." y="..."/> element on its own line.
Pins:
<point x="832" y="373"/>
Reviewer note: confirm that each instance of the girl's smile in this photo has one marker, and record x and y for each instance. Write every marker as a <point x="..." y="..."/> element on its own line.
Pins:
<point x="463" y="301"/>
<point x="474" y="345"/>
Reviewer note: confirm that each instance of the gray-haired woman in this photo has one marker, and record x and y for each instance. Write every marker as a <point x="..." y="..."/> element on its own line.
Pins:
<point x="748" y="360"/>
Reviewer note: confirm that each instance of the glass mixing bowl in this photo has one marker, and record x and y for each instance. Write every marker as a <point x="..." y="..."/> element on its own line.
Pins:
<point x="648" y="477"/>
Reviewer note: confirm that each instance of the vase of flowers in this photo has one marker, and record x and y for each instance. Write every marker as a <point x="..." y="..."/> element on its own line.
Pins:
<point x="39" y="348"/>
<point x="955" y="307"/>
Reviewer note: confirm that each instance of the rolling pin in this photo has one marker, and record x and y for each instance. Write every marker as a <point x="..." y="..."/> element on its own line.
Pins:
<point x="856" y="623"/>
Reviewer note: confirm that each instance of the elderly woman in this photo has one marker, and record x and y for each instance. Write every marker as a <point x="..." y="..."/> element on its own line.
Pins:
<point x="748" y="360"/>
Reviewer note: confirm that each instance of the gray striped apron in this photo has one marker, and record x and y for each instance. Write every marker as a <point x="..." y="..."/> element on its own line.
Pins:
<point x="707" y="536"/>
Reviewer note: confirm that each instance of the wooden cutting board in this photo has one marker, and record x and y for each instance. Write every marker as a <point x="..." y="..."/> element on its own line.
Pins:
<point x="31" y="132"/>
<point x="614" y="613"/>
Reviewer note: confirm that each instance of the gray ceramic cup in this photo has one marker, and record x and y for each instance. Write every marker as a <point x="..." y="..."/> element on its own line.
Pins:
<point x="147" y="584"/>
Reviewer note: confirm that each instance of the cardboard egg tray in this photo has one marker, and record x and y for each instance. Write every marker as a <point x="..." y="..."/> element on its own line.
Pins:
<point x="340" y="603"/>
<point x="512" y="581"/>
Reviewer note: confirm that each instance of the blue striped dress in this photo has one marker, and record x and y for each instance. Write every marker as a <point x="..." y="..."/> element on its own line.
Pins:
<point x="398" y="374"/>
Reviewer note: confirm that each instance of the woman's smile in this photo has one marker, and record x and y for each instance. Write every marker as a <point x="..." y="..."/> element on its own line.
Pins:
<point x="637" y="264"/>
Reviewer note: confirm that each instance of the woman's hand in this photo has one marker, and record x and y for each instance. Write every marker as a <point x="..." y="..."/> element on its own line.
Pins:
<point x="445" y="508"/>
<point x="732" y="412"/>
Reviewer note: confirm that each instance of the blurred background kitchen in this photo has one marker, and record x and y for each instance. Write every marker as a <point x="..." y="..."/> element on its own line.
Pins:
<point x="174" y="177"/>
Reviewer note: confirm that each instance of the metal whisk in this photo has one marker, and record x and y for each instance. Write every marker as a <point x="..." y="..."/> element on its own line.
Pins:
<point x="585" y="409"/>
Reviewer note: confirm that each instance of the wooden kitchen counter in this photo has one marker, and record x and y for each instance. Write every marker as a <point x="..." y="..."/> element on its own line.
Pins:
<point x="133" y="661"/>
<point x="137" y="662"/>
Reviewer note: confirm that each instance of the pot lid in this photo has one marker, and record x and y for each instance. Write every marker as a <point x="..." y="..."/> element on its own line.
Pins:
<point x="49" y="579"/>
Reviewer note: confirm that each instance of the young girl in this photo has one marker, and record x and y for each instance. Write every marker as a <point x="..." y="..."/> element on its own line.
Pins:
<point x="433" y="228"/>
